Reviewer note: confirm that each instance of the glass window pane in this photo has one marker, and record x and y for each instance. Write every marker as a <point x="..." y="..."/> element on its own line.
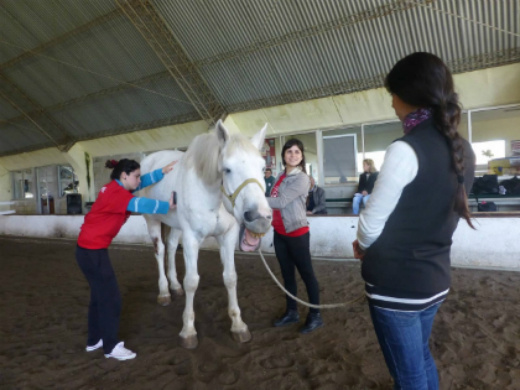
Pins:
<point x="22" y="182"/>
<point x="377" y="138"/>
<point x="67" y="180"/>
<point x="18" y="185"/>
<point x="339" y="158"/>
<point x="340" y="147"/>
<point x="493" y="133"/>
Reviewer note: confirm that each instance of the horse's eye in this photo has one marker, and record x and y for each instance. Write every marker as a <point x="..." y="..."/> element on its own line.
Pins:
<point x="227" y="171"/>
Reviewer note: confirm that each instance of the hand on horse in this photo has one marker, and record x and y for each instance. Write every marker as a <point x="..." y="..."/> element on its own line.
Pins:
<point x="168" y="167"/>
<point x="358" y="252"/>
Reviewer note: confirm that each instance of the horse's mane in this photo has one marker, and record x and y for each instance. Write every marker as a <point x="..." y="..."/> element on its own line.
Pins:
<point x="204" y="152"/>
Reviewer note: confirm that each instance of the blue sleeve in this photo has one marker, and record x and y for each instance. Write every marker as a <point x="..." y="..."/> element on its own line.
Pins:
<point x="150" y="178"/>
<point x="148" y="206"/>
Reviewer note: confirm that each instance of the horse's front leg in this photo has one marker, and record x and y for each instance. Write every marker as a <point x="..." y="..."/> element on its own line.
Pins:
<point x="188" y="335"/>
<point x="227" y="244"/>
<point x="172" y="243"/>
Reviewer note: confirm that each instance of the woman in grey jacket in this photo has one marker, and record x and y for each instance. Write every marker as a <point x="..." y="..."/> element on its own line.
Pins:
<point x="291" y="234"/>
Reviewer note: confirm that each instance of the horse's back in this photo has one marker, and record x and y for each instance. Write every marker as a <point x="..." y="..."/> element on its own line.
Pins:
<point x="159" y="159"/>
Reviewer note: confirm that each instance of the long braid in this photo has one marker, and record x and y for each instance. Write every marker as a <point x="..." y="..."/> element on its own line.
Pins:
<point x="447" y="118"/>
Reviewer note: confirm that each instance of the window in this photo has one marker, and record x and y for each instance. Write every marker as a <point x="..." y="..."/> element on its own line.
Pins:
<point x="339" y="158"/>
<point x="22" y="182"/>
<point x="377" y="138"/>
<point x="67" y="180"/>
<point x="492" y="131"/>
<point x="485" y="151"/>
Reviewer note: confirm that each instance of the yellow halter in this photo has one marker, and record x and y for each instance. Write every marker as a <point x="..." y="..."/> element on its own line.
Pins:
<point x="233" y="197"/>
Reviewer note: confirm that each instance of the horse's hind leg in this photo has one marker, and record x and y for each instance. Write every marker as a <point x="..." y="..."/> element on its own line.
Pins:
<point x="172" y="242"/>
<point x="227" y="244"/>
<point x="154" y="229"/>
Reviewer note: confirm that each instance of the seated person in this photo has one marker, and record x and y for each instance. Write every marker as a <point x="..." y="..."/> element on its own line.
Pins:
<point x="316" y="199"/>
<point x="366" y="185"/>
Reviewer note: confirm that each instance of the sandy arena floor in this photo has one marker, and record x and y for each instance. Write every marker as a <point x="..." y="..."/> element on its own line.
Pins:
<point x="43" y="307"/>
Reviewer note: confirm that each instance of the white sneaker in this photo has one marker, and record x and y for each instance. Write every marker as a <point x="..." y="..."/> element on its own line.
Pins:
<point x="121" y="353"/>
<point x="91" y="348"/>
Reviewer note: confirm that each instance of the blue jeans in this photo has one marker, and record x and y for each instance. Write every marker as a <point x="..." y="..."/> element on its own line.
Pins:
<point x="403" y="337"/>
<point x="356" y="202"/>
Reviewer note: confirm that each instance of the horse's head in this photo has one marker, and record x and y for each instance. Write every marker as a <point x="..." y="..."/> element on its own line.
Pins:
<point x="243" y="183"/>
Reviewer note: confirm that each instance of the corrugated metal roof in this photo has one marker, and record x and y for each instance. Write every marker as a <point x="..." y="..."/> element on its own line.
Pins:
<point x="100" y="67"/>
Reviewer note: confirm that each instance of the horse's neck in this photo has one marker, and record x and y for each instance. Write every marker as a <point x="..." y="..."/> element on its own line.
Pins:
<point x="201" y="192"/>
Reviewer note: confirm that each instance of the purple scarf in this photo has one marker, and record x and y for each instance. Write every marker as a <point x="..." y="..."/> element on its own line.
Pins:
<point x="416" y="117"/>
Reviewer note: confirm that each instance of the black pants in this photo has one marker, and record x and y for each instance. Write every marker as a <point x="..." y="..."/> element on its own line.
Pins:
<point x="294" y="253"/>
<point x="105" y="300"/>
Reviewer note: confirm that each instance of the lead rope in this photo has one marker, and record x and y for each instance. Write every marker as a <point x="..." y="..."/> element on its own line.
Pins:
<point x="323" y="306"/>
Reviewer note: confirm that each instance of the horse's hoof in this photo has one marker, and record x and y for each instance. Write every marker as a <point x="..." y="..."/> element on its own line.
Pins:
<point x="243" y="336"/>
<point x="189" y="342"/>
<point x="179" y="292"/>
<point x="164" y="301"/>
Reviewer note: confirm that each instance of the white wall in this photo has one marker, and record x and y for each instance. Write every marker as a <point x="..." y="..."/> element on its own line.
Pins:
<point x="494" y="244"/>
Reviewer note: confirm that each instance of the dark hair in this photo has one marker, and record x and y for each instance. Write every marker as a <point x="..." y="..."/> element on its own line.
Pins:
<point x="289" y="144"/>
<point x="268" y="169"/>
<point x="423" y="80"/>
<point x="125" y="165"/>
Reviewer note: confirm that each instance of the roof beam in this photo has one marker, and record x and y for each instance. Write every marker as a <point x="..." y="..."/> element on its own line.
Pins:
<point x="62" y="38"/>
<point x="92" y="96"/>
<point x="156" y="33"/>
<point x="35" y="113"/>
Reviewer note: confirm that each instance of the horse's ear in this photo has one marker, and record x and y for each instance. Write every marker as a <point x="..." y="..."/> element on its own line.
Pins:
<point x="222" y="133"/>
<point x="259" y="138"/>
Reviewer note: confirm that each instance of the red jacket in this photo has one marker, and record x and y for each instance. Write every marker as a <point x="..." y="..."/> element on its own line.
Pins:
<point x="107" y="216"/>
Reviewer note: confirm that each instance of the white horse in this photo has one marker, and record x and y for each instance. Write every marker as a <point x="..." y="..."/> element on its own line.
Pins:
<point x="220" y="186"/>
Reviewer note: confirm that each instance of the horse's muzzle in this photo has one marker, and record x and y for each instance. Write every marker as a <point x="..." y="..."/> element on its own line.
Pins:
<point x="257" y="223"/>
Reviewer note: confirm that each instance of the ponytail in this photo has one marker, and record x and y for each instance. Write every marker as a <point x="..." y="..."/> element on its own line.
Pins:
<point x="118" y="167"/>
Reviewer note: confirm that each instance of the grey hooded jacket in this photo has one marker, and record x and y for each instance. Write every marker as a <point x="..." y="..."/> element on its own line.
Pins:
<point x="291" y="200"/>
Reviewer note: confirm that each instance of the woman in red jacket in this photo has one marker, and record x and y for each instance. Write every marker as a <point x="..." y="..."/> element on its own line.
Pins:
<point x="109" y="212"/>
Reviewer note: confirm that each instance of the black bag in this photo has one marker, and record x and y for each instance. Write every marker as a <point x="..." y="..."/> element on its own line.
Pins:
<point x="487" y="206"/>
<point x="487" y="184"/>
<point x="512" y="186"/>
